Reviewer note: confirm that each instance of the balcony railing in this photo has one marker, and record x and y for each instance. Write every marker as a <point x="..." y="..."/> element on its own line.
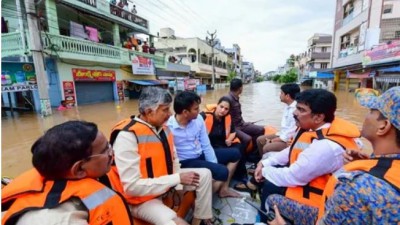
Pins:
<point x="89" y="2"/>
<point x="74" y="48"/>
<point x="348" y="18"/>
<point x="115" y="10"/>
<point x="105" y="8"/>
<point x="67" y="44"/>
<point x="320" y="55"/>
<point x="11" y="44"/>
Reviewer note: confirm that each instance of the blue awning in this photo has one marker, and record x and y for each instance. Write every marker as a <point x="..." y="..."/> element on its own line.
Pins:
<point x="395" y="69"/>
<point x="147" y="82"/>
<point x="325" y="75"/>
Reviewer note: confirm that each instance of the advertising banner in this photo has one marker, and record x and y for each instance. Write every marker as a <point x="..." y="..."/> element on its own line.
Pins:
<point x="69" y="93"/>
<point x="142" y="66"/>
<point x="18" y="77"/>
<point x="383" y="52"/>
<point x="190" y="84"/>
<point x="93" y="75"/>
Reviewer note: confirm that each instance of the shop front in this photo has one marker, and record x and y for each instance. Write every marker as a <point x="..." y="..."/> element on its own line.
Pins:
<point x="19" y="90"/>
<point x="90" y="86"/>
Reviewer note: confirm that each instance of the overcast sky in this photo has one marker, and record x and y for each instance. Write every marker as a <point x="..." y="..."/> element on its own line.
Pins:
<point x="267" y="31"/>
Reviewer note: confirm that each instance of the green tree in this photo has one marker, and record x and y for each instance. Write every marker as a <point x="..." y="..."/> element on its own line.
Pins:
<point x="289" y="77"/>
<point x="231" y="76"/>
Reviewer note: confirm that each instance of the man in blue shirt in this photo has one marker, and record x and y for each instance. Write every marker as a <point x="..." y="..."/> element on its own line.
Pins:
<point x="193" y="145"/>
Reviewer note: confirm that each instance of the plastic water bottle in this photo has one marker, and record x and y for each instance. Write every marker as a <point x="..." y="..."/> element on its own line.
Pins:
<point x="258" y="219"/>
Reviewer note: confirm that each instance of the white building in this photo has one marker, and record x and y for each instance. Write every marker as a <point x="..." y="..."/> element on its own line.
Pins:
<point x="366" y="41"/>
<point x="196" y="53"/>
<point x="248" y="71"/>
<point x="237" y="59"/>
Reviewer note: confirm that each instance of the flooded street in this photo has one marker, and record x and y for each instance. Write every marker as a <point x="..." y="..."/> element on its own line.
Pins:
<point x="260" y="101"/>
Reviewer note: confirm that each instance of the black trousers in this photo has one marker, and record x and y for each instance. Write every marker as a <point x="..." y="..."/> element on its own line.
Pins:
<point x="267" y="190"/>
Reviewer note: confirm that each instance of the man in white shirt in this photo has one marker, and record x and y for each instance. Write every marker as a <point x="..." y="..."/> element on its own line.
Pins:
<point x="279" y="141"/>
<point x="300" y="172"/>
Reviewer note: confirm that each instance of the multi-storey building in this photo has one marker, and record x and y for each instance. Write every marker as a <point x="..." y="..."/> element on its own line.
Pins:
<point x="197" y="54"/>
<point x="318" y="60"/>
<point x="248" y="71"/>
<point x="319" y="52"/>
<point x="83" y="52"/>
<point x="237" y="59"/>
<point x="317" y="56"/>
<point x="366" y="42"/>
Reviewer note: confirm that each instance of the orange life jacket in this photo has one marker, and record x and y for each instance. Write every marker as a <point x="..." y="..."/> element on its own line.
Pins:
<point x="387" y="169"/>
<point x="343" y="133"/>
<point x="209" y="120"/>
<point x="30" y="191"/>
<point x="156" y="155"/>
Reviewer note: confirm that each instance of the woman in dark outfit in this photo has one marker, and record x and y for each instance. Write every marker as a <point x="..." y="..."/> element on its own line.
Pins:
<point x="221" y="132"/>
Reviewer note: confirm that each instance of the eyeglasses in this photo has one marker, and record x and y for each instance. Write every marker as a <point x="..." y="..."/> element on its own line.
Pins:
<point x="108" y="151"/>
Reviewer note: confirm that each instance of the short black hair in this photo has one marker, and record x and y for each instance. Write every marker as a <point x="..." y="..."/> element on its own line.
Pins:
<point x="61" y="146"/>
<point x="320" y="101"/>
<point x="185" y="100"/>
<point x="236" y="84"/>
<point x="291" y="89"/>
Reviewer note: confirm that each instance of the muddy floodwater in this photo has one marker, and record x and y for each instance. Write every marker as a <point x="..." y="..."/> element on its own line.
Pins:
<point x="260" y="102"/>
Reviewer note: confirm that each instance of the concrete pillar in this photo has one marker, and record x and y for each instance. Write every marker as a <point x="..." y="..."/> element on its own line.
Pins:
<point x="336" y="81"/>
<point x="347" y="84"/>
<point x="52" y="18"/>
<point x="116" y="37"/>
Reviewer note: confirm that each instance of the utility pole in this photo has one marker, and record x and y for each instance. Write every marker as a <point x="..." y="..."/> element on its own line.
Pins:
<point x="21" y="28"/>
<point x="212" y="43"/>
<point x="36" y="48"/>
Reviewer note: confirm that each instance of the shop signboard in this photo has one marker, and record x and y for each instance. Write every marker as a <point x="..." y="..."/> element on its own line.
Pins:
<point x="180" y="85"/>
<point x="383" y="53"/>
<point x="17" y="77"/>
<point x="191" y="84"/>
<point x="142" y="66"/>
<point x="69" y="93"/>
<point x="93" y="75"/>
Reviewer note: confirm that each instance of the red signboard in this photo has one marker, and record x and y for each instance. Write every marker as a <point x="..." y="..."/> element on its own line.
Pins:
<point x="93" y="75"/>
<point x="69" y="93"/>
<point x="384" y="51"/>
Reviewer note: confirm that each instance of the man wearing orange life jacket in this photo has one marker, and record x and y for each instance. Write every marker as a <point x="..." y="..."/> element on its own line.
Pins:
<point x="370" y="186"/>
<point x="367" y="190"/>
<point x="301" y="171"/>
<point x="147" y="166"/>
<point x="63" y="187"/>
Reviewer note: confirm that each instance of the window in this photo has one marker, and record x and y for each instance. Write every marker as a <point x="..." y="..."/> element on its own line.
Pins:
<point x="397" y="34"/>
<point x="387" y="9"/>
<point x="324" y="65"/>
<point x="323" y="49"/>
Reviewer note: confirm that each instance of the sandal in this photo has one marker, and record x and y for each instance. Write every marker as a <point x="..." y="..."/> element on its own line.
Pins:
<point x="246" y="188"/>
<point x="251" y="169"/>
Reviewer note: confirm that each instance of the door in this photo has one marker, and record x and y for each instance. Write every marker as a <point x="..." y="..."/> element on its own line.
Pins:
<point x="94" y="92"/>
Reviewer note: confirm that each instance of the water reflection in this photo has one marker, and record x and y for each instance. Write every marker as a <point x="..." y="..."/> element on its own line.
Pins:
<point x="260" y="101"/>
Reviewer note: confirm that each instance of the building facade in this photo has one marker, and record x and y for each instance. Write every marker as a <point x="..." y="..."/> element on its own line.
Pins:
<point x="197" y="54"/>
<point x="360" y="27"/>
<point x="86" y="55"/>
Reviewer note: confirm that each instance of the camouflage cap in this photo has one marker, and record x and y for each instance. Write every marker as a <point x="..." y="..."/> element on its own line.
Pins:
<point x="388" y="104"/>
